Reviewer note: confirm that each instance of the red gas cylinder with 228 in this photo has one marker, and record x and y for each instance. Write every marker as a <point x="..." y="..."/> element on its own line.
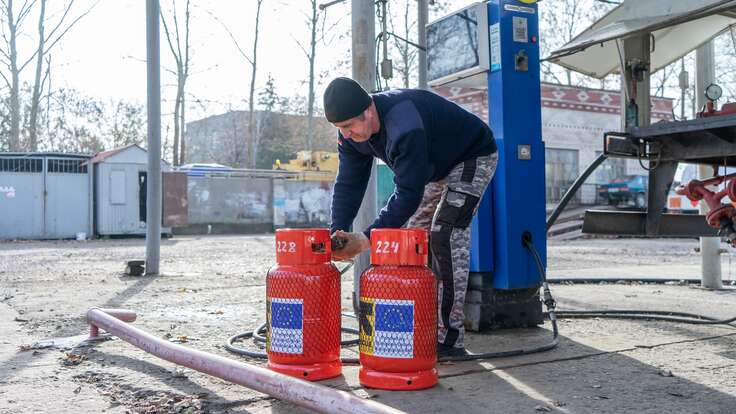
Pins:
<point x="398" y="313"/>
<point x="303" y="306"/>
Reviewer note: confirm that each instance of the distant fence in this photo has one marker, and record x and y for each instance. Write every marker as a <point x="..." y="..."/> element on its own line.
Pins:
<point x="246" y="201"/>
<point x="301" y="203"/>
<point x="257" y="200"/>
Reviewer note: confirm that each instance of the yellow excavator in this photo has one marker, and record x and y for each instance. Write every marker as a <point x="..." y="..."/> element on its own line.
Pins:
<point x="320" y="165"/>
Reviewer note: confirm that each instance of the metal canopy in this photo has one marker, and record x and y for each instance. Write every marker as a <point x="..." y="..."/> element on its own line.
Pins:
<point x="678" y="27"/>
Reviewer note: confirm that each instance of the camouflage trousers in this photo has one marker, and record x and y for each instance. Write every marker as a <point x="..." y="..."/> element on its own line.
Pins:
<point x="446" y="211"/>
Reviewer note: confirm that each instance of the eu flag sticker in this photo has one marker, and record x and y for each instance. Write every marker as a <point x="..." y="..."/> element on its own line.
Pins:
<point x="394" y="328"/>
<point x="285" y="318"/>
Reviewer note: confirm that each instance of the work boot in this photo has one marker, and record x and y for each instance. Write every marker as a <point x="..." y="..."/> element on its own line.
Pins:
<point x="444" y="351"/>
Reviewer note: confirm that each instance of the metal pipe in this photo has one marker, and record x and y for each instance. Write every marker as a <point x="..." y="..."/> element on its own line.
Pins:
<point x="384" y="29"/>
<point x="330" y="3"/>
<point x="125" y="315"/>
<point x="153" y="178"/>
<point x="422" y="17"/>
<point x="91" y="200"/>
<point x="719" y="179"/>
<point x="302" y="393"/>
<point x="710" y="247"/>
<point x="573" y="189"/>
<point x="364" y="72"/>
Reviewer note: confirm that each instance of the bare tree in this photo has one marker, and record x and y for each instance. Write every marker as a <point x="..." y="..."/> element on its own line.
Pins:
<point x="404" y="52"/>
<point x="180" y="51"/>
<point x="311" y="56"/>
<point x="407" y="52"/>
<point x="273" y="129"/>
<point x="125" y="124"/>
<point x="438" y="8"/>
<point x="726" y="64"/>
<point x="37" y="84"/>
<point x="252" y="139"/>
<point x="319" y="34"/>
<point x="560" y="22"/>
<point x="9" y="54"/>
<point x="81" y="123"/>
<point x="232" y="139"/>
<point x="663" y="79"/>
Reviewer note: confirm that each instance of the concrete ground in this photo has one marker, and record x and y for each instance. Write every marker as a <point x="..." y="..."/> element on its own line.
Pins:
<point x="214" y="287"/>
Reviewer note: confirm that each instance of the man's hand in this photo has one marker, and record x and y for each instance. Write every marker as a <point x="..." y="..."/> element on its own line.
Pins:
<point x="355" y="243"/>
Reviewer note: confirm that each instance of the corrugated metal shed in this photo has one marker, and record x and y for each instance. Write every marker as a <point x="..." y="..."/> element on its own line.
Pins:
<point x="44" y="195"/>
<point x="120" y="191"/>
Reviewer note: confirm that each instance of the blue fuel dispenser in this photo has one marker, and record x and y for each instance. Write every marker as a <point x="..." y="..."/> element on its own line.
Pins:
<point x="495" y="44"/>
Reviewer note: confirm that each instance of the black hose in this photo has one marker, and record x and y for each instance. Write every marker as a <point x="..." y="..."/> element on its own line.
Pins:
<point x="586" y="280"/>
<point x="573" y="189"/>
<point x="242" y="351"/>
<point x="640" y="314"/>
<point x="257" y="335"/>
<point x="549" y="303"/>
<point x="257" y="338"/>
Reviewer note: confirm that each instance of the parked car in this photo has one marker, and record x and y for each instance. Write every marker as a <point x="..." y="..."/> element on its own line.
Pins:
<point x="200" y="169"/>
<point x="630" y="190"/>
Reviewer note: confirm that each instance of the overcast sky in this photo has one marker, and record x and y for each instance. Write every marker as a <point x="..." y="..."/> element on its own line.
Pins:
<point x="103" y="55"/>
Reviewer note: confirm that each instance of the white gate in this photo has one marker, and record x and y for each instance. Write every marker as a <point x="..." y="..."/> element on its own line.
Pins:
<point x="44" y="197"/>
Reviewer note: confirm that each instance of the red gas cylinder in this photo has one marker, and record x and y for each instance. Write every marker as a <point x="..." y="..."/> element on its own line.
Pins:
<point x="398" y="313"/>
<point x="303" y="306"/>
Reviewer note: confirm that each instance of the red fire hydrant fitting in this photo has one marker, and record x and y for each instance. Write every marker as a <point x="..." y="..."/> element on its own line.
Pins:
<point x="720" y="216"/>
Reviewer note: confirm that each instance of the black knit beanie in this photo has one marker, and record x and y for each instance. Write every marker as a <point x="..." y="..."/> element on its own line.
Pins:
<point x="344" y="98"/>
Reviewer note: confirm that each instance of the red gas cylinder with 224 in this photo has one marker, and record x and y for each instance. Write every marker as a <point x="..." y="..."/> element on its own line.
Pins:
<point x="303" y="306"/>
<point x="398" y="313"/>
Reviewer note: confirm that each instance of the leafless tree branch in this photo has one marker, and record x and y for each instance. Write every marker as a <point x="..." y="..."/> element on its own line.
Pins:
<point x="61" y="21"/>
<point x="298" y="43"/>
<point x="5" y="78"/>
<point x="61" y="35"/>
<point x="24" y="11"/>
<point x="168" y="36"/>
<point x="232" y="37"/>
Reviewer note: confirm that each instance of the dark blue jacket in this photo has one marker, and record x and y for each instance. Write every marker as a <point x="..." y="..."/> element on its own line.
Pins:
<point x="422" y="137"/>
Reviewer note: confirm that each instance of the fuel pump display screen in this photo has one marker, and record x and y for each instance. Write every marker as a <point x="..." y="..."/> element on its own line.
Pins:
<point x="457" y="44"/>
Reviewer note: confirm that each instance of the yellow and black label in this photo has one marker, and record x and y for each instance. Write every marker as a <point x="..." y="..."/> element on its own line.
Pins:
<point x="268" y="323"/>
<point x="367" y="325"/>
